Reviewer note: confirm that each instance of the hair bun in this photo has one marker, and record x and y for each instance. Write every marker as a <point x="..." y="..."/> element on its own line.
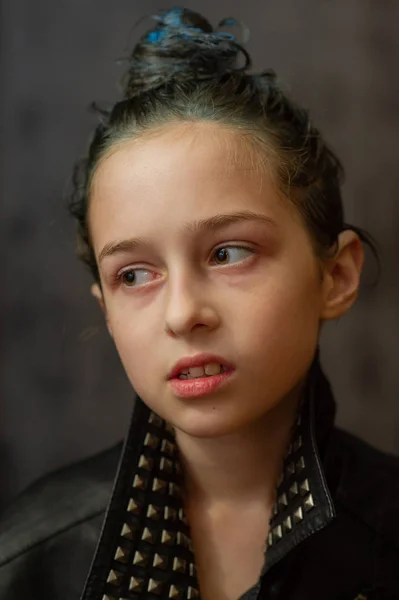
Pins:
<point x="184" y="18"/>
<point x="184" y="46"/>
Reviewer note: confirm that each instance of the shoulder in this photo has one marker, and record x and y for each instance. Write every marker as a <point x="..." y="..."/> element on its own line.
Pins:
<point x="57" y="501"/>
<point x="367" y="484"/>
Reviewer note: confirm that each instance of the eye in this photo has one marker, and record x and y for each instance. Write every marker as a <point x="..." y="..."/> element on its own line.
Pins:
<point x="135" y="277"/>
<point x="231" y="254"/>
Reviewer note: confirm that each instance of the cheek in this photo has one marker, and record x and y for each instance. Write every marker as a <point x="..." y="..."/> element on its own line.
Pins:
<point x="276" y="337"/>
<point x="283" y="314"/>
<point x="134" y="341"/>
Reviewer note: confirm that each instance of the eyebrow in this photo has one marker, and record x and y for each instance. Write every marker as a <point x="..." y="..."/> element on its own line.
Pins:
<point x="211" y="224"/>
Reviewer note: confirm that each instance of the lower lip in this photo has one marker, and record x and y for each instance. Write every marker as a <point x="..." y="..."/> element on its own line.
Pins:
<point x="202" y="386"/>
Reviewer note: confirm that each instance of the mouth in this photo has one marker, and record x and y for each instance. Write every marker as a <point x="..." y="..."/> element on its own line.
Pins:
<point x="199" y="366"/>
<point x="199" y="375"/>
<point x="208" y="370"/>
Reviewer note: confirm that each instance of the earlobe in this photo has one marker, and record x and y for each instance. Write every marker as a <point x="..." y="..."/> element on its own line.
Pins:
<point x="95" y="291"/>
<point x="342" y="276"/>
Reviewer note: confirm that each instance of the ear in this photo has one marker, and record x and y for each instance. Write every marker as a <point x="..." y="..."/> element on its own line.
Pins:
<point x="342" y="276"/>
<point x="95" y="291"/>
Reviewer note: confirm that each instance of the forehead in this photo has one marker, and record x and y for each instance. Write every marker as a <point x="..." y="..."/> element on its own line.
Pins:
<point x="180" y="173"/>
<point x="204" y="147"/>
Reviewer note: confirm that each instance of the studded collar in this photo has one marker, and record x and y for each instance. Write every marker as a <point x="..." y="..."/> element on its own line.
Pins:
<point x="145" y="550"/>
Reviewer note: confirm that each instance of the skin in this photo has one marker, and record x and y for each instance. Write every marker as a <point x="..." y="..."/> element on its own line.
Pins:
<point x="262" y="311"/>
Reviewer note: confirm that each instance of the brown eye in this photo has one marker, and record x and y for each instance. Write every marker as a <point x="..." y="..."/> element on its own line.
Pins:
<point x="222" y="256"/>
<point x="136" y="277"/>
<point x="129" y="278"/>
<point x="231" y="255"/>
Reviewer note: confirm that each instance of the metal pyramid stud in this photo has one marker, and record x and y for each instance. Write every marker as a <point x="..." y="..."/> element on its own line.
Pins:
<point x="277" y="533"/>
<point x="154" y="419"/>
<point x="139" y="482"/>
<point x="300" y="465"/>
<point x="155" y="587"/>
<point x="161" y="562"/>
<point x="298" y="515"/>
<point x="179" y="565"/>
<point x="308" y="503"/>
<point x="192" y="593"/>
<point x="166" y="465"/>
<point x="136" y="584"/>
<point x="270" y="540"/>
<point x="159" y="485"/>
<point x="182" y="516"/>
<point x="174" y="490"/>
<point x="133" y="506"/>
<point x="304" y="487"/>
<point x="282" y="501"/>
<point x="145" y="462"/>
<point x="175" y="592"/>
<point x="168" y="448"/>
<point x="293" y="491"/>
<point x="151" y="441"/>
<point x="287" y="525"/>
<point x="122" y="555"/>
<point x="290" y="469"/>
<point x="170" y="514"/>
<point x="154" y="512"/>
<point x="298" y="443"/>
<point x="193" y="571"/>
<point x="148" y="536"/>
<point x="183" y="540"/>
<point x="106" y="597"/>
<point x="168" y="537"/>
<point x="127" y="531"/>
<point x="115" y="577"/>
<point x="140" y="559"/>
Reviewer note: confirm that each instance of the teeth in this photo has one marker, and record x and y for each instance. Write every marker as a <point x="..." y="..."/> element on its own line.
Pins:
<point x="207" y="370"/>
<point x="213" y="369"/>
<point x="196" y="372"/>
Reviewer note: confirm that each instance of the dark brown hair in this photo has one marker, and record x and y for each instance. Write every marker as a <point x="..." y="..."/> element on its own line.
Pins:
<point x="183" y="70"/>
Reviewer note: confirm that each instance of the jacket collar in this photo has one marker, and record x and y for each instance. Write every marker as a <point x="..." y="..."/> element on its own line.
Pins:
<point x="304" y="504"/>
<point x="145" y="545"/>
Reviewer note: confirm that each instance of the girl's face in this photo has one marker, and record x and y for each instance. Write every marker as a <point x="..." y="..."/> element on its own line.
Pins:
<point x="199" y="253"/>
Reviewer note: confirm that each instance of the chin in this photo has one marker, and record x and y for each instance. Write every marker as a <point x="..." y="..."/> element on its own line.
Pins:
<point x="203" y="421"/>
<point x="206" y="417"/>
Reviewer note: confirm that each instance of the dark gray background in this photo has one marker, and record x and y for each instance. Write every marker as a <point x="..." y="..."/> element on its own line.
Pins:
<point x="63" y="394"/>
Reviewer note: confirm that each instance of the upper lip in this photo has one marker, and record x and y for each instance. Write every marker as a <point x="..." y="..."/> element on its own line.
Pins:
<point x="199" y="360"/>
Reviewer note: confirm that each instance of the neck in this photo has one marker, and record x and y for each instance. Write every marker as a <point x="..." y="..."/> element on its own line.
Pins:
<point x="240" y="467"/>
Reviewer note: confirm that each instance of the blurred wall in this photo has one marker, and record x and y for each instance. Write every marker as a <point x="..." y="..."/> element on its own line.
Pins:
<point x="63" y="394"/>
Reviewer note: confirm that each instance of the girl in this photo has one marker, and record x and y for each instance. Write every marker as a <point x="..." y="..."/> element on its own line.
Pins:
<point x="210" y="214"/>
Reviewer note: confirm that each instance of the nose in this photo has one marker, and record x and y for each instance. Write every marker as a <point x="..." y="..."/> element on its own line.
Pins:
<point x="188" y="306"/>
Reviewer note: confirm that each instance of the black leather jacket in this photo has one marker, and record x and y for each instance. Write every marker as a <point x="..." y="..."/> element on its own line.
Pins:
<point x="334" y="532"/>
